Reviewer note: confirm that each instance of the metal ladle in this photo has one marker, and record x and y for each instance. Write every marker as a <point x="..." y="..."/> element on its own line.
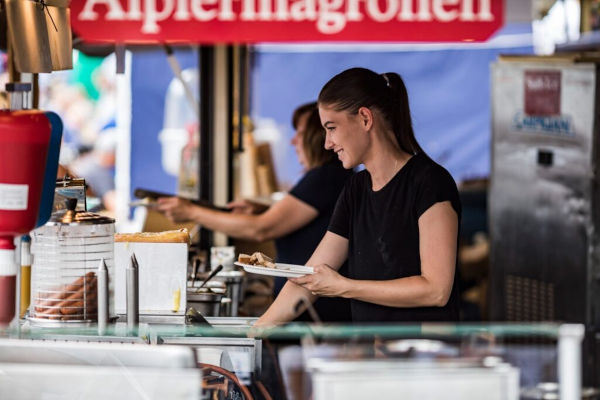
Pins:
<point x="210" y="276"/>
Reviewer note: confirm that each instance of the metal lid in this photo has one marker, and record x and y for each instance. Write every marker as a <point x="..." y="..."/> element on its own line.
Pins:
<point x="70" y="216"/>
<point x="230" y="276"/>
<point x="206" y="297"/>
<point x="68" y="181"/>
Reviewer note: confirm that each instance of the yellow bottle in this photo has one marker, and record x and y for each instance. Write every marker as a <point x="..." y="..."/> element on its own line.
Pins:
<point x="176" y="299"/>
<point x="25" y="276"/>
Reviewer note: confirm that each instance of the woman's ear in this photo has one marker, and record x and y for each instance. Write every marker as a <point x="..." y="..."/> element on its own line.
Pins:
<point x="365" y="116"/>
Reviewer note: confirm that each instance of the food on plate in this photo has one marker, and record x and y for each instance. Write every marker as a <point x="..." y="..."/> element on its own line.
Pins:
<point x="244" y="258"/>
<point x="258" y="259"/>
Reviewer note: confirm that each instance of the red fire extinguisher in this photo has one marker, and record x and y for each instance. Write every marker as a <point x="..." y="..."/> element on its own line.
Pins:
<point x="24" y="139"/>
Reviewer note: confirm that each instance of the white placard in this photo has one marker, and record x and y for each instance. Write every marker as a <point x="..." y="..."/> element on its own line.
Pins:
<point x="162" y="277"/>
<point x="13" y="197"/>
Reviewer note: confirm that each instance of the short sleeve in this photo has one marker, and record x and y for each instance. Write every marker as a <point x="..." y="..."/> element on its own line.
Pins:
<point x="436" y="185"/>
<point x="340" y="220"/>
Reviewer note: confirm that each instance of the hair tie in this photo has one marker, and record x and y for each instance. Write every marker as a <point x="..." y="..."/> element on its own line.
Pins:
<point x="387" y="81"/>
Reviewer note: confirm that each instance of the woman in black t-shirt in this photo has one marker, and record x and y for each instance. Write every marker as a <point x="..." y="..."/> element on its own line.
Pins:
<point x="396" y="222"/>
<point x="298" y="221"/>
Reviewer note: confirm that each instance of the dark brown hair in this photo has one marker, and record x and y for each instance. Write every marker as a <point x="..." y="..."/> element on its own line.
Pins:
<point x="301" y="110"/>
<point x="313" y="135"/>
<point x="360" y="87"/>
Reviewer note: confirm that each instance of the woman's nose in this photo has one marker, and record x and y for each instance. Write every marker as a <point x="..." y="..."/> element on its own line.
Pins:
<point x="328" y="142"/>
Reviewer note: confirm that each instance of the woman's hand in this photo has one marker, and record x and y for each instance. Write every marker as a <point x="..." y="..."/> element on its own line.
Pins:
<point x="175" y="208"/>
<point x="244" y="206"/>
<point x="241" y="207"/>
<point x="325" y="281"/>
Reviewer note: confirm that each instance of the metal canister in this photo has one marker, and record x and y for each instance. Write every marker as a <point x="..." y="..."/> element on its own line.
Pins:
<point x="206" y="302"/>
<point x="233" y="282"/>
<point x="67" y="252"/>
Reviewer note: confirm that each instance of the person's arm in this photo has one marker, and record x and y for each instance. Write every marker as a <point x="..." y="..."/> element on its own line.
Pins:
<point x="438" y="228"/>
<point x="245" y="206"/>
<point x="285" y="216"/>
<point x="332" y="251"/>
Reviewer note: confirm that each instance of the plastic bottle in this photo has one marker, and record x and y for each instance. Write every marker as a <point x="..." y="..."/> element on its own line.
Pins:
<point x="187" y="185"/>
<point x="25" y="293"/>
<point x="8" y="281"/>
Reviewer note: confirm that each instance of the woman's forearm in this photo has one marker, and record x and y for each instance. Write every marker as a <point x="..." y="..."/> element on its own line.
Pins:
<point x="239" y="226"/>
<point x="283" y="308"/>
<point x="286" y="216"/>
<point x="413" y="291"/>
<point x="332" y="250"/>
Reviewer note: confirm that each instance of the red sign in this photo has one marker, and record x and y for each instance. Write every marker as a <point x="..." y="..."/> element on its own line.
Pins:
<point x="542" y="92"/>
<point x="250" y="21"/>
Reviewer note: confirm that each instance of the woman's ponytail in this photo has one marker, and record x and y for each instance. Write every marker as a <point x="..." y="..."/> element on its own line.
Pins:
<point x="399" y="114"/>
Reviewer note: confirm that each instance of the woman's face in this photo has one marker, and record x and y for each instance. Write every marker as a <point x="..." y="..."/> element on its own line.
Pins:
<point x="297" y="140"/>
<point x="345" y="135"/>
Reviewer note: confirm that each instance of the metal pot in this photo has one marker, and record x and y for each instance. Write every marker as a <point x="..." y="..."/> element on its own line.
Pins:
<point x="206" y="302"/>
<point x="233" y="281"/>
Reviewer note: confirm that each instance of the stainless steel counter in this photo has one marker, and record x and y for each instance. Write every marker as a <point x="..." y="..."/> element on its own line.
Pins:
<point x="32" y="369"/>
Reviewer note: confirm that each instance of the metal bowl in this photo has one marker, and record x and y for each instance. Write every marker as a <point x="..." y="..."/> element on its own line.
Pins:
<point x="206" y="302"/>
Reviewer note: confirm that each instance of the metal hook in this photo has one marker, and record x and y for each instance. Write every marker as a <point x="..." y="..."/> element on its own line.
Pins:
<point x="45" y="7"/>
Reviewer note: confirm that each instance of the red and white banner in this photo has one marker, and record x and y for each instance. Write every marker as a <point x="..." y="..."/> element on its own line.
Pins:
<point x="251" y="21"/>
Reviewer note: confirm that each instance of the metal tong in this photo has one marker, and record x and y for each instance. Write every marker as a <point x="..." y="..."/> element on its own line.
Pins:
<point x="210" y="276"/>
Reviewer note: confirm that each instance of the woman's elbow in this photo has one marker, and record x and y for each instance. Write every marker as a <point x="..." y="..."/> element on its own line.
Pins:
<point x="437" y="294"/>
<point x="440" y="298"/>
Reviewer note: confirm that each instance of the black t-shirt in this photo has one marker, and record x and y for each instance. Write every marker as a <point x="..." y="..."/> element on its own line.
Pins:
<point x="383" y="233"/>
<point x="319" y="188"/>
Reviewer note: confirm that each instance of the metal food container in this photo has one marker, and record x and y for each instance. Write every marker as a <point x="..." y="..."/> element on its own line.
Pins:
<point x="233" y="281"/>
<point x="206" y="302"/>
<point x="66" y="254"/>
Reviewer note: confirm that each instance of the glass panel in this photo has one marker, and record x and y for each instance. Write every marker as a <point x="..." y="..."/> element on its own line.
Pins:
<point x="301" y="361"/>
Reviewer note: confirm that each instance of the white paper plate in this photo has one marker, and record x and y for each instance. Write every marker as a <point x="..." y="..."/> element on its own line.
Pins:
<point x="284" y="270"/>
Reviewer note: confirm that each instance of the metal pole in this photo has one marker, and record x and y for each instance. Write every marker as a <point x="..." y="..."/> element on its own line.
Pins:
<point x="230" y="127"/>
<point x="566" y="21"/>
<point x="242" y="55"/>
<point x="206" y="65"/>
<point x="570" y="337"/>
